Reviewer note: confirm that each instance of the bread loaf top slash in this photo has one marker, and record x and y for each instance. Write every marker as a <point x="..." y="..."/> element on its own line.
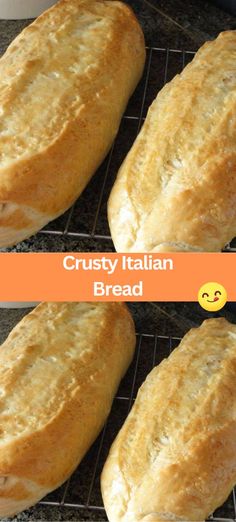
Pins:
<point x="59" y="371"/>
<point x="64" y="84"/>
<point x="175" y="457"/>
<point x="176" y="190"/>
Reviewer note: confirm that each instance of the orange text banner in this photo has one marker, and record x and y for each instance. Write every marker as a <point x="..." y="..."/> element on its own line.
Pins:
<point x="113" y="277"/>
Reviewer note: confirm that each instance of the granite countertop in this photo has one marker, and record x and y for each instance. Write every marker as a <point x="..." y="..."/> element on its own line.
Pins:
<point x="162" y="319"/>
<point x="173" y="24"/>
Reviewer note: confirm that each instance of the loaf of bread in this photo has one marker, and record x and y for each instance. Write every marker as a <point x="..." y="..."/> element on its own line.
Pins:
<point x="175" y="457"/>
<point x="64" y="84"/>
<point x="59" y="371"/>
<point x="176" y="190"/>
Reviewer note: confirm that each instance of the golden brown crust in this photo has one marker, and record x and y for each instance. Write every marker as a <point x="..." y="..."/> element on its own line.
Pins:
<point x="77" y="65"/>
<point x="175" y="457"/>
<point x="60" y="368"/>
<point x="176" y="190"/>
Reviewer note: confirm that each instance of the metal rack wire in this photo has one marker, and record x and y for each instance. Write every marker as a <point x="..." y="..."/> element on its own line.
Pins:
<point x="87" y="219"/>
<point x="82" y="490"/>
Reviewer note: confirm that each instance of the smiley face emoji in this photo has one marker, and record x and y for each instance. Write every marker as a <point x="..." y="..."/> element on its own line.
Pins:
<point x="212" y="297"/>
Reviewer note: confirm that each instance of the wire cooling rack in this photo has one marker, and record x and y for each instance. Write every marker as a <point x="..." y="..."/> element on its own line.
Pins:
<point x="82" y="490"/>
<point x="87" y="219"/>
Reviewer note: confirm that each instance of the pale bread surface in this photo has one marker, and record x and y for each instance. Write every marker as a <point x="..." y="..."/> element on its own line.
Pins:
<point x="175" y="457"/>
<point x="60" y="368"/>
<point x="176" y="190"/>
<point x="64" y="84"/>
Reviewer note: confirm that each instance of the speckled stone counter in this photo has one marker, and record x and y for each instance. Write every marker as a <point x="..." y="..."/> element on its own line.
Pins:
<point x="172" y="24"/>
<point x="170" y="319"/>
<point x="170" y="322"/>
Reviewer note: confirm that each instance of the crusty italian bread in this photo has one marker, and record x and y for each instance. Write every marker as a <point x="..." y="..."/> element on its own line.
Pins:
<point x="59" y="370"/>
<point x="176" y="190"/>
<point x="175" y="457"/>
<point x="64" y="84"/>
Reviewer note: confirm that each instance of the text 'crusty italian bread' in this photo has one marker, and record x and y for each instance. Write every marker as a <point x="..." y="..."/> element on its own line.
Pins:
<point x="59" y="371"/>
<point x="176" y="190"/>
<point x="64" y="84"/>
<point x="175" y="457"/>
